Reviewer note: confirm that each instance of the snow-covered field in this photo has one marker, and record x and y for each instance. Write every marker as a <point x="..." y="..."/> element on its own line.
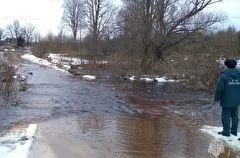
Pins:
<point x="219" y="141"/>
<point x="17" y="143"/>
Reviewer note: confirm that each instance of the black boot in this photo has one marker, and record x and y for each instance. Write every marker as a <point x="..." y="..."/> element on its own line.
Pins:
<point x="224" y="134"/>
<point x="234" y="133"/>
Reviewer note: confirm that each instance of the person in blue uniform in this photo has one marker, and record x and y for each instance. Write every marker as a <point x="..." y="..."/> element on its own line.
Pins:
<point x="228" y="93"/>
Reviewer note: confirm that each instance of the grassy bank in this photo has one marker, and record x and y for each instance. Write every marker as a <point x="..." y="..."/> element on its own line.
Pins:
<point x="193" y="60"/>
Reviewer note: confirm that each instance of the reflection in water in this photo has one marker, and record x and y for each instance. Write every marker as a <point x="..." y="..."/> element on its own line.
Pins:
<point x="91" y="123"/>
<point x="130" y="137"/>
<point x="162" y="137"/>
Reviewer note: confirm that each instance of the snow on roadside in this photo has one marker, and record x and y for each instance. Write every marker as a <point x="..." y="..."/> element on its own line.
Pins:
<point x="53" y="64"/>
<point x="16" y="144"/>
<point x="132" y="78"/>
<point x="34" y="59"/>
<point x="59" y="58"/>
<point x="146" y="79"/>
<point x="66" y="62"/>
<point x="164" y="79"/>
<point x="158" y="79"/>
<point x="89" y="77"/>
<point x="231" y="141"/>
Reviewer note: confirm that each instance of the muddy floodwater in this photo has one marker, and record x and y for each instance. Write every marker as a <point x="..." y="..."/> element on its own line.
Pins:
<point x="106" y="119"/>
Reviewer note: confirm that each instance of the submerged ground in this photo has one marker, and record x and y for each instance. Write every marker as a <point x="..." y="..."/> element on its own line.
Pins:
<point x="105" y="118"/>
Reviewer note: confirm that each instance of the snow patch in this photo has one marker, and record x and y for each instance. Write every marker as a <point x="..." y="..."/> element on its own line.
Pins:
<point x="164" y="79"/>
<point x="58" y="58"/>
<point x="147" y="79"/>
<point x="39" y="61"/>
<point x="23" y="77"/>
<point x="89" y="77"/>
<point x="158" y="79"/>
<point x="67" y="61"/>
<point x="68" y="67"/>
<point x="231" y="141"/>
<point x="17" y="144"/>
<point x="132" y="78"/>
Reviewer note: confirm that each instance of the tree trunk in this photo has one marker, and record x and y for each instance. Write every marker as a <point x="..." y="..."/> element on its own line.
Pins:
<point x="144" y="66"/>
<point x="75" y="36"/>
<point x="159" y="53"/>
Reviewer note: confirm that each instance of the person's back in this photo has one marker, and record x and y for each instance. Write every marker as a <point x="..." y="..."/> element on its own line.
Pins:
<point x="228" y="93"/>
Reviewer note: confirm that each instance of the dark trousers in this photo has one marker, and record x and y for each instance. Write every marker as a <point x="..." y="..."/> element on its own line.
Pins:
<point x="228" y="115"/>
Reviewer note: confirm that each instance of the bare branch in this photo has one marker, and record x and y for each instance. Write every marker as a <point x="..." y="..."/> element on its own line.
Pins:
<point x="74" y="16"/>
<point x="1" y="33"/>
<point x="100" y="15"/>
<point x="163" y="24"/>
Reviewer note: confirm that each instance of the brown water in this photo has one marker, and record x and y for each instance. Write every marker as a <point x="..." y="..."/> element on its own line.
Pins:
<point x="106" y="118"/>
<point x="125" y="136"/>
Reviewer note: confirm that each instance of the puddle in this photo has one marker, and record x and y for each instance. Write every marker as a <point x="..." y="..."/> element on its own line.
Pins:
<point x="124" y="136"/>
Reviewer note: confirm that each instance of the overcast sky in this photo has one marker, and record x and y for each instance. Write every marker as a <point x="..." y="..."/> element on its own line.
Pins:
<point x="231" y="9"/>
<point x="46" y="14"/>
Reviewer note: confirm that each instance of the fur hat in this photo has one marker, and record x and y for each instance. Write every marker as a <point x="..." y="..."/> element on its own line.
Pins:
<point x="230" y="63"/>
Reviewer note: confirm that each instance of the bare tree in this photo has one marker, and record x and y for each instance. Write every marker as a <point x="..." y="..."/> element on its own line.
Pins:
<point x="50" y="37"/>
<point x="100" y="14"/>
<point x="36" y="36"/>
<point x="15" y="29"/>
<point x="9" y="29"/>
<point x="1" y="33"/>
<point x="162" y="24"/>
<point x="74" y="16"/>
<point x="27" y="33"/>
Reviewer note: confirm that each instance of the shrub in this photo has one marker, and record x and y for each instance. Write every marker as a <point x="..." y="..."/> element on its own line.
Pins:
<point x="20" y="41"/>
<point x="7" y="71"/>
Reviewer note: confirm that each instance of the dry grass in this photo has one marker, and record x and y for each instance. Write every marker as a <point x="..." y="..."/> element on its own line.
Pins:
<point x="120" y="64"/>
<point x="123" y="64"/>
<point x="195" y="63"/>
<point x="7" y="72"/>
<point x="45" y="47"/>
<point x="200" y="75"/>
<point x="200" y="70"/>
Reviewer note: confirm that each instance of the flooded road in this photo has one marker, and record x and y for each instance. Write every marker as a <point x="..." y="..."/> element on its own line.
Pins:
<point x="106" y="118"/>
<point x="124" y="136"/>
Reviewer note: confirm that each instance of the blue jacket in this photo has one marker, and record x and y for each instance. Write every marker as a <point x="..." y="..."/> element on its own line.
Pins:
<point x="228" y="89"/>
